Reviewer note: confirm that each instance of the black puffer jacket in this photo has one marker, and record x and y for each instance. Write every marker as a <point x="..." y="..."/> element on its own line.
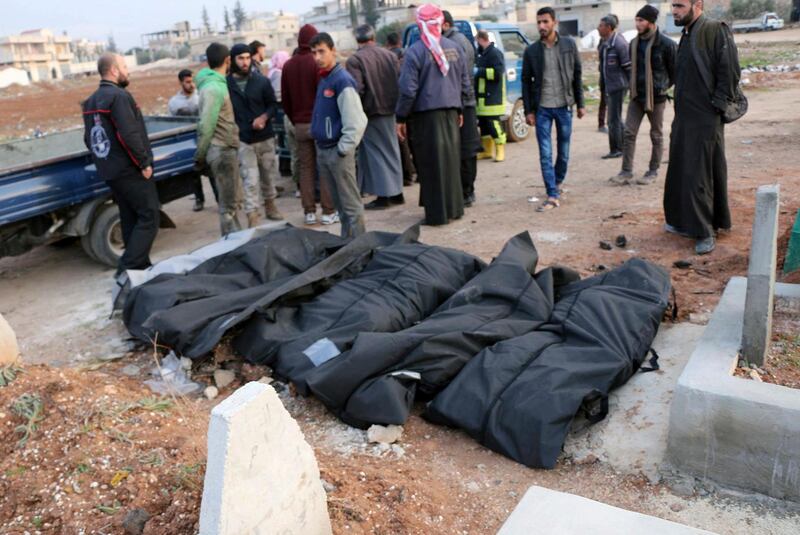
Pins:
<point x="115" y="133"/>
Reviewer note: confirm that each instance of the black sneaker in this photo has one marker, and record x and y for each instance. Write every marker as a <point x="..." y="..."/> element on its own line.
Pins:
<point x="611" y="155"/>
<point x="380" y="203"/>
<point x="198" y="206"/>
<point x="469" y="200"/>
<point x="397" y="199"/>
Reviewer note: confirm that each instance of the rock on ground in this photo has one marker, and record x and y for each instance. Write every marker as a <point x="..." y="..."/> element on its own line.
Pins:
<point x="384" y="434"/>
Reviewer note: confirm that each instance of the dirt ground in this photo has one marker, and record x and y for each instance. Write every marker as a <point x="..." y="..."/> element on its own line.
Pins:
<point x="101" y="426"/>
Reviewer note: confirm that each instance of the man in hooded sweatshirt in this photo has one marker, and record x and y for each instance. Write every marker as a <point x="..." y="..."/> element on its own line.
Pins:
<point x="298" y="90"/>
<point x="254" y="106"/>
<point x="218" y="135"/>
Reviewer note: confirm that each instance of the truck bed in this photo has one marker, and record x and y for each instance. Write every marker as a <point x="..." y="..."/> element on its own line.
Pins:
<point x="54" y="173"/>
<point x="34" y="152"/>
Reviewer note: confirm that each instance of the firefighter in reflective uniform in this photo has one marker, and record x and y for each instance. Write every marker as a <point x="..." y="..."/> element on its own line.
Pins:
<point x="490" y="85"/>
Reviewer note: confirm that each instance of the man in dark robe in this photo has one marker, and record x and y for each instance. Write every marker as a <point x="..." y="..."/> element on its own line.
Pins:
<point x="470" y="136"/>
<point x="707" y="73"/>
<point x="433" y="82"/>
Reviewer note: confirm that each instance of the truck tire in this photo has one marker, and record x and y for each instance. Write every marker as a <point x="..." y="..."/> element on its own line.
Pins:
<point x="103" y="243"/>
<point x="86" y="244"/>
<point x="516" y="127"/>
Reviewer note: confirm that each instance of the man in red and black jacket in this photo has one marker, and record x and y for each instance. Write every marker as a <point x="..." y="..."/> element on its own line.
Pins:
<point x="116" y="136"/>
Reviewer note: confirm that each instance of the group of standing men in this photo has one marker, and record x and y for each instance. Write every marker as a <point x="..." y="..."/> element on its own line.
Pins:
<point x="704" y="69"/>
<point x="427" y="99"/>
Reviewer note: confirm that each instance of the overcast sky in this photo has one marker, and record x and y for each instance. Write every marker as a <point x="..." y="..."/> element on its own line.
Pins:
<point x="125" y="19"/>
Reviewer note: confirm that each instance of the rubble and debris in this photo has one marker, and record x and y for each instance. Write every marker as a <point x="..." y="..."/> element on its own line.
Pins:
<point x="171" y="378"/>
<point x="223" y="378"/>
<point x="606" y="246"/>
<point x="384" y="434"/>
<point x="135" y="521"/>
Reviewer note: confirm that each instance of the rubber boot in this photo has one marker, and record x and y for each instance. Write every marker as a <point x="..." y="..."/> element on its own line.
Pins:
<point x="272" y="211"/>
<point x="253" y="219"/>
<point x="488" y="148"/>
<point x="500" y="152"/>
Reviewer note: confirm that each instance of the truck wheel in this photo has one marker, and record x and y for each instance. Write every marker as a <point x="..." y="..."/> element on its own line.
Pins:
<point x="104" y="240"/>
<point x="86" y="243"/>
<point x="516" y="127"/>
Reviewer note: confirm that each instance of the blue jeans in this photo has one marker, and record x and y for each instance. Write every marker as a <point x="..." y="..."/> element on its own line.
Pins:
<point x="553" y="176"/>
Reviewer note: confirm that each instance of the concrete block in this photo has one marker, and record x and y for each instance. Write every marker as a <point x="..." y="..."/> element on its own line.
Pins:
<point x="548" y="512"/>
<point x="761" y="276"/>
<point x="734" y="431"/>
<point x="9" y="350"/>
<point x="262" y="476"/>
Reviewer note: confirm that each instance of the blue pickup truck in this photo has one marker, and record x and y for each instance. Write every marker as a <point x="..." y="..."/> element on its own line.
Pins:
<point x="512" y="42"/>
<point x="49" y="189"/>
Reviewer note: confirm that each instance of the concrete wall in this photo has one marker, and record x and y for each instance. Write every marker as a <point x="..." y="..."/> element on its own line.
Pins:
<point x="735" y="431"/>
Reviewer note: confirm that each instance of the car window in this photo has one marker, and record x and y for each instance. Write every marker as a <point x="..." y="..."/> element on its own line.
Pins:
<point x="513" y="44"/>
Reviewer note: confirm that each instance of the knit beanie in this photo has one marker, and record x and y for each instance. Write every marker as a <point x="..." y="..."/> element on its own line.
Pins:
<point x="239" y="48"/>
<point x="648" y="13"/>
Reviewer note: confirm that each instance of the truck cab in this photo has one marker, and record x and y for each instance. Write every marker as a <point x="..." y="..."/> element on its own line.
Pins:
<point x="512" y="42"/>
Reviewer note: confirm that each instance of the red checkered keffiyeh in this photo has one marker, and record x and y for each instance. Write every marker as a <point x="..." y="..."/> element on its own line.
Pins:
<point x="429" y="20"/>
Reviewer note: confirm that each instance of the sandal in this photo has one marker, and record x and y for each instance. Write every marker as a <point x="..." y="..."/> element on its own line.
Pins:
<point x="549" y="204"/>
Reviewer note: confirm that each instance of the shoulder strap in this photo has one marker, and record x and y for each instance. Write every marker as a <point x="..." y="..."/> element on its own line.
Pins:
<point x="702" y="67"/>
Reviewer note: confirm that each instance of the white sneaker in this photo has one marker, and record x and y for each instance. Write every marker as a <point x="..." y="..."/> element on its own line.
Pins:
<point x="330" y="219"/>
<point x="311" y="218"/>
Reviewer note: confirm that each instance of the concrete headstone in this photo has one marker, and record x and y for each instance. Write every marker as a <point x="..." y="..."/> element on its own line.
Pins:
<point x="262" y="476"/>
<point x="761" y="276"/>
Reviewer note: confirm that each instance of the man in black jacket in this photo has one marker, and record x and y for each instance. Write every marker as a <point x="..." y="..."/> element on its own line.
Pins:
<point x="551" y="85"/>
<point x="652" y="74"/>
<point x="115" y="134"/>
<point x="254" y="106"/>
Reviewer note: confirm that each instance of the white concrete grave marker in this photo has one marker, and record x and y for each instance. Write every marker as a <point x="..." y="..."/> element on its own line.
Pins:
<point x="262" y="476"/>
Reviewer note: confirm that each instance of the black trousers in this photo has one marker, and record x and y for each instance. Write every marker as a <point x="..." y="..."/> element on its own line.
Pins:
<point x="138" y="204"/>
<point x="469" y="170"/>
<point x="198" y="188"/>
<point x="615" y="127"/>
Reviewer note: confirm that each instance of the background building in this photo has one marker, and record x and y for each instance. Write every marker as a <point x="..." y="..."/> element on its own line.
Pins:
<point x="334" y="16"/>
<point x="173" y="42"/>
<point x="40" y="53"/>
<point x="277" y="30"/>
<point x="580" y="17"/>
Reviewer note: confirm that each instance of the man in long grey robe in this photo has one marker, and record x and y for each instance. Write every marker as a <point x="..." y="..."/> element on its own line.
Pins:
<point x="376" y="70"/>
